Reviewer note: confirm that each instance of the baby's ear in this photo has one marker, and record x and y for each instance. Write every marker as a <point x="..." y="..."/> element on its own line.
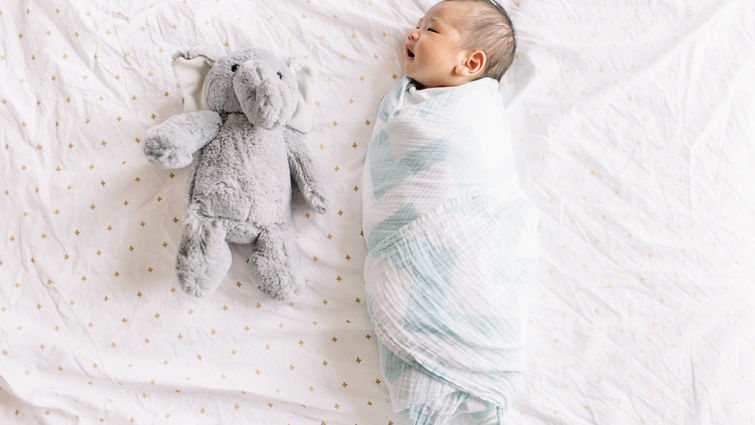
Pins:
<point x="473" y="64"/>
<point x="190" y="69"/>
<point x="306" y="74"/>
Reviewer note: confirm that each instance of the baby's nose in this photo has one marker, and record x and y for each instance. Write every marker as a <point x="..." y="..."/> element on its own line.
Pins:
<point x="413" y="34"/>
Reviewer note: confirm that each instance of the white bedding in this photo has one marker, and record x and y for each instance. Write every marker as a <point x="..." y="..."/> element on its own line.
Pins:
<point x="633" y="123"/>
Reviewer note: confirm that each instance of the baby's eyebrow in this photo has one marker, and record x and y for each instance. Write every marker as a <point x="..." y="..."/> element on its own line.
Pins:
<point x="433" y="20"/>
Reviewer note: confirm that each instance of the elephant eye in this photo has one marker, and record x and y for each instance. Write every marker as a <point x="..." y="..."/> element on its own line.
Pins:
<point x="234" y="67"/>
<point x="280" y="75"/>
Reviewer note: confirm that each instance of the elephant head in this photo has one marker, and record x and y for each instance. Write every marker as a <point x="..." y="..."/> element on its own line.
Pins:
<point x="269" y="91"/>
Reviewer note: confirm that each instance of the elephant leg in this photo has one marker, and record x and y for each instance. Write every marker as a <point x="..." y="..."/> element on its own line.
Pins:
<point x="271" y="266"/>
<point x="204" y="257"/>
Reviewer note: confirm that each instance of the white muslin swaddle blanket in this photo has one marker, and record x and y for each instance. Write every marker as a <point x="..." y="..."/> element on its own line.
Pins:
<point x="451" y="250"/>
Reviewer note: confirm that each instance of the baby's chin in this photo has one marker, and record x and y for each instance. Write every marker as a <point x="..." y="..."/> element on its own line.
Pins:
<point x="411" y="74"/>
<point x="420" y="83"/>
<point x="407" y="71"/>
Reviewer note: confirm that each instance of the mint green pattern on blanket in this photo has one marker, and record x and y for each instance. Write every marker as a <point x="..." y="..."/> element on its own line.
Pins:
<point x="390" y="225"/>
<point x="387" y="172"/>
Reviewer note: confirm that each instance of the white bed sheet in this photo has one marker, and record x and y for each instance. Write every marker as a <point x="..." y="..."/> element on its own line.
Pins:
<point x="633" y="122"/>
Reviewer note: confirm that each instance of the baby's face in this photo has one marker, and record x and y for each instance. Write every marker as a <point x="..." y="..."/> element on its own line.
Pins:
<point x="431" y="52"/>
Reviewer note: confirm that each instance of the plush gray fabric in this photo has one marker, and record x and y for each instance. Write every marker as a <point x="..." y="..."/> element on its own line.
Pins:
<point x="240" y="187"/>
<point x="192" y="131"/>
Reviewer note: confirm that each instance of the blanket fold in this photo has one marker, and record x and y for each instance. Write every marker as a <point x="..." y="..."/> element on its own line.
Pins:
<point x="451" y="249"/>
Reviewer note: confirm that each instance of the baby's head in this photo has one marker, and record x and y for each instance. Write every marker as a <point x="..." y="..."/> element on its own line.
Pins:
<point x="458" y="41"/>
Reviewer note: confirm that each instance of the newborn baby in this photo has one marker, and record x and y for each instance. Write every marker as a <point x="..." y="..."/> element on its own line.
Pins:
<point x="458" y="41"/>
<point x="450" y="235"/>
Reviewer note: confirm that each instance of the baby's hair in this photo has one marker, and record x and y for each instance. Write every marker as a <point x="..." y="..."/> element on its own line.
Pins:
<point x="492" y="32"/>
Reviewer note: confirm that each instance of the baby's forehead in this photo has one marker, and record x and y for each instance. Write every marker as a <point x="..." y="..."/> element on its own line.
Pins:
<point x="446" y="13"/>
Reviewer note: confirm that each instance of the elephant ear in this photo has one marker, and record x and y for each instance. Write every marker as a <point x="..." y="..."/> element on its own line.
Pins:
<point x="190" y="69"/>
<point x="306" y="74"/>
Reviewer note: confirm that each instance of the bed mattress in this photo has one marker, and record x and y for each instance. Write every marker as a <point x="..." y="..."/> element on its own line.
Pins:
<point x="633" y="126"/>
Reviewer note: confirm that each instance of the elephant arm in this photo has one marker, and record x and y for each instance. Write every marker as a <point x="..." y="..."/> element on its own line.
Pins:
<point x="171" y="143"/>
<point x="303" y="171"/>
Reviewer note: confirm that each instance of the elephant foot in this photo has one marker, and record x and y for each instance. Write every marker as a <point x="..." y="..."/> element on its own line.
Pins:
<point x="270" y="263"/>
<point x="204" y="257"/>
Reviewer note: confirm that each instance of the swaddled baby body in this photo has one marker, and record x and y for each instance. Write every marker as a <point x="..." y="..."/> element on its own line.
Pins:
<point x="450" y="235"/>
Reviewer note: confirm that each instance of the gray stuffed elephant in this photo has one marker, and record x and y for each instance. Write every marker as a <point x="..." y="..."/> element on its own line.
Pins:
<point x="248" y="148"/>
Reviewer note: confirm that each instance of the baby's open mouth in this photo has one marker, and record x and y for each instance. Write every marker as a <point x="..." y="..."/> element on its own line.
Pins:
<point x="410" y="53"/>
